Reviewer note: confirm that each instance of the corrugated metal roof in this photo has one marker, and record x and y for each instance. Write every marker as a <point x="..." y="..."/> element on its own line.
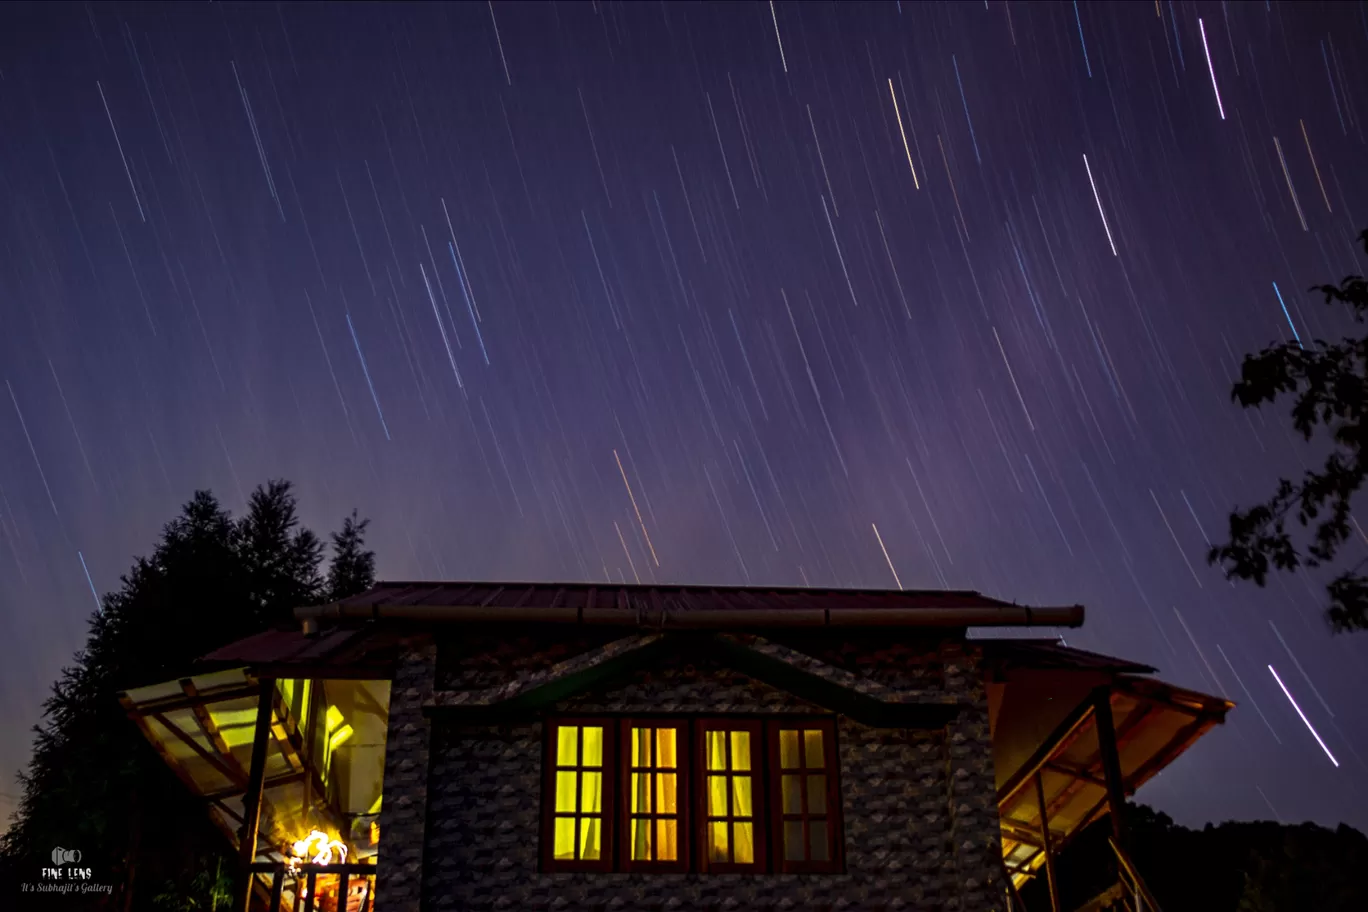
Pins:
<point x="336" y="647"/>
<point x="677" y="598"/>
<point x="1051" y="654"/>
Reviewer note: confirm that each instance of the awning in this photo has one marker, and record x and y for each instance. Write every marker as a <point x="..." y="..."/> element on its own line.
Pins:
<point x="325" y="757"/>
<point x="1154" y="723"/>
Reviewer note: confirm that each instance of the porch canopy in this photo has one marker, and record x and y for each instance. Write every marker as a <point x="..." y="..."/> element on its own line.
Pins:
<point x="1050" y="752"/>
<point x="326" y="741"/>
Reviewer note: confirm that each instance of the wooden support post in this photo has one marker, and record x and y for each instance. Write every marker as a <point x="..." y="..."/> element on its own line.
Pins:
<point x="1046" y="845"/>
<point x="1111" y="763"/>
<point x="251" y="801"/>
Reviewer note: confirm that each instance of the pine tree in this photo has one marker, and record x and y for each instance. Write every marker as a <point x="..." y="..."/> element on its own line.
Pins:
<point x="94" y="783"/>
<point x="353" y="567"/>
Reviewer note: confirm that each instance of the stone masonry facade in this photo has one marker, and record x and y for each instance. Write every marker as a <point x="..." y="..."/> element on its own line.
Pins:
<point x="919" y="806"/>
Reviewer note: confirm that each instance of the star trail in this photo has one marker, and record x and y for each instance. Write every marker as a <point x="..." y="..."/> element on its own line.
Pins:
<point x="888" y="295"/>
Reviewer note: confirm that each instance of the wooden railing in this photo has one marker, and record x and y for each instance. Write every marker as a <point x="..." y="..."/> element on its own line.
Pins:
<point x="1137" y="892"/>
<point x="311" y="887"/>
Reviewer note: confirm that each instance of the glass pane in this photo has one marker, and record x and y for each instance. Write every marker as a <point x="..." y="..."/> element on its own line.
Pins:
<point x="641" y="793"/>
<point x="817" y="840"/>
<point x="717" y="842"/>
<point x="788" y="750"/>
<point x="666" y="793"/>
<point x="740" y="745"/>
<point x="589" y="838"/>
<point x="565" y="839"/>
<point x="816" y="789"/>
<point x="591" y="792"/>
<point x="566" y="739"/>
<point x="717" y="796"/>
<point x="565" y="792"/>
<point x="793" y="840"/>
<point x="667" y="840"/>
<point x="641" y="746"/>
<point x="813" y="755"/>
<point x="666" y="756"/>
<point x="717" y="750"/>
<point x="593" y="746"/>
<point x="641" y="840"/>
<point x="744" y="843"/>
<point x="741" y="796"/>
<point x="793" y="799"/>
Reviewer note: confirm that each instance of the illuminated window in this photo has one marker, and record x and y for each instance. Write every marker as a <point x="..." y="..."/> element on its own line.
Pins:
<point x="723" y="795"/>
<point x="577" y="796"/>
<point x="733" y="830"/>
<point x="805" y="798"/>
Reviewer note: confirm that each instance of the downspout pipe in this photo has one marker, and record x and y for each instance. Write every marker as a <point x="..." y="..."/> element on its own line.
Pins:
<point x="703" y="618"/>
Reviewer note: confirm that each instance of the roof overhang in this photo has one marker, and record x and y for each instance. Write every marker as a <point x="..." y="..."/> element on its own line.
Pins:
<point x="1154" y="724"/>
<point x="682" y="607"/>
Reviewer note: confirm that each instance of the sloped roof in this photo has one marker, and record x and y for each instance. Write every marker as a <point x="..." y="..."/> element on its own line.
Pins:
<point x="684" y="605"/>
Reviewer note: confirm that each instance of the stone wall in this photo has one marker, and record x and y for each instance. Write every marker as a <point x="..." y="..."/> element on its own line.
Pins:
<point x="403" y="813"/>
<point x="919" y="806"/>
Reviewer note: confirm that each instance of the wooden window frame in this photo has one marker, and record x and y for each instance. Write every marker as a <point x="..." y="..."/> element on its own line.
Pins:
<point x="605" y="862"/>
<point x="759" y="792"/>
<point x="767" y="806"/>
<point x="683" y="782"/>
<point x="835" y="862"/>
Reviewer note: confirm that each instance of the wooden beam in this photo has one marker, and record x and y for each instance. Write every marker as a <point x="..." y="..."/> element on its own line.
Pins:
<point x="132" y="711"/>
<point x="273" y="782"/>
<point x="251" y="802"/>
<point x="280" y="714"/>
<point x="173" y="703"/>
<point x="1165" y="755"/>
<point x="1111" y="763"/>
<point x="210" y="728"/>
<point x="1063" y="735"/>
<point x="1075" y="772"/>
<point x="1046" y="847"/>
<point x="228" y="772"/>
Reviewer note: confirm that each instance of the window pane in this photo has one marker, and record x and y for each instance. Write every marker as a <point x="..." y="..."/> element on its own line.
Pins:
<point x="717" y="842"/>
<point x="744" y="843"/>
<point x="565" y="792"/>
<point x="565" y="839"/>
<point x="741" y="796"/>
<point x="817" y="840"/>
<point x="666" y="793"/>
<point x="667" y="840"/>
<point x="717" y="750"/>
<point x="591" y="792"/>
<point x="816" y="789"/>
<point x="812" y="749"/>
<point x="793" y="799"/>
<point x="788" y="750"/>
<point x="793" y="840"/>
<point x="740" y="745"/>
<point x="641" y="840"/>
<point x="566" y="737"/>
<point x="589" y="838"/>
<point x="641" y="746"/>
<point x="593" y="746"/>
<point x="717" y="796"/>
<point x="641" y="793"/>
<point x="666" y="755"/>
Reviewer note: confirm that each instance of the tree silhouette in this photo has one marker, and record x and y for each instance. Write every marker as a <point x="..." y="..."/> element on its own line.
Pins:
<point x="1329" y="385"/>
<point x="93" y="783"/>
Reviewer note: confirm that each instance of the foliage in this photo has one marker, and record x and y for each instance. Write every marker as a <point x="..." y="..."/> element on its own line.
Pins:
<point x="1257" y="866"/>
<point x="1329" y="385"/>
<point x="93" y="783"/>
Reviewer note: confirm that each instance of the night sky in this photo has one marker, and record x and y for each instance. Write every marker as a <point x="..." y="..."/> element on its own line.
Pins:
<point x="930" y="295"/>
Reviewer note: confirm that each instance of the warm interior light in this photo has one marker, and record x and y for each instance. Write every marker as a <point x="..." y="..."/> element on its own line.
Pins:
<point x="317" y="848"/>
<point x="339" y="737"/>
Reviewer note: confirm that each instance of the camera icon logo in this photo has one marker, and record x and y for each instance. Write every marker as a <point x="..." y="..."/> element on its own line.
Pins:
<point x="62" y="856"/>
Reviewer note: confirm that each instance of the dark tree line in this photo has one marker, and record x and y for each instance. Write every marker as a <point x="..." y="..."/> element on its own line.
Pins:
<point x="93" y="783"/>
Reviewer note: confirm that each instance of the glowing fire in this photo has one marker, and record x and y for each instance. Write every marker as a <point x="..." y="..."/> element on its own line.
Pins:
<point x="317" y="848"/>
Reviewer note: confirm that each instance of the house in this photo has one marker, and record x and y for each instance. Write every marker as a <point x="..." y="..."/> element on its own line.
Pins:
<point x="450" y="746"/>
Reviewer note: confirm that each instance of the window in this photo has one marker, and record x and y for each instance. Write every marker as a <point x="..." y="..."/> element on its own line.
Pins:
<point x="579" y="804"/>
<point x="716" y="795"/>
